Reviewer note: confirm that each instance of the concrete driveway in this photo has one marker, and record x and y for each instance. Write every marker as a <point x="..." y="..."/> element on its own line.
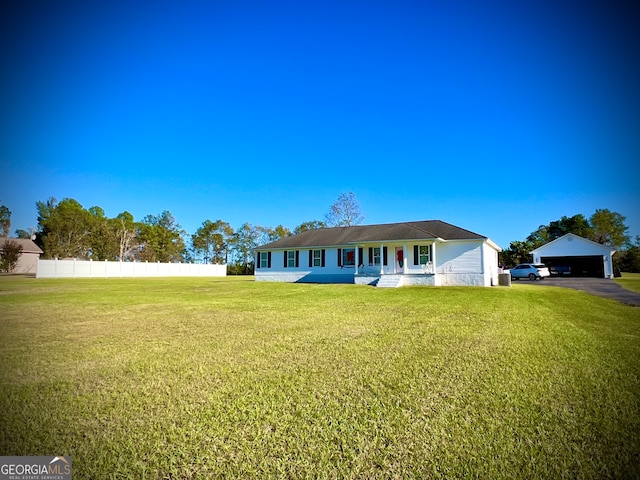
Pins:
<point x="601" y="287"/>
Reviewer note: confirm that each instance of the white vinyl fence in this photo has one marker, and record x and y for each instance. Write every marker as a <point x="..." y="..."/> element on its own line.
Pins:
<point x="90" y="269"/>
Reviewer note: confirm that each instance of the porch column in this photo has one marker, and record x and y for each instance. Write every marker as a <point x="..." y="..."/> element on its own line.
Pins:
<point x="381" y="259"/>
<point x="405" y="264"/>
<point x="357" y="259"/>
<point x="433" y="260"/>
<point x="395" y="260"/>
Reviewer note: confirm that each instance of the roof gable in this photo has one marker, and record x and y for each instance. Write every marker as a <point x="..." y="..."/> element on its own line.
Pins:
<point x="572" y="244"/>
<point x="336" y="236"/>
<point x="28" y="246"/>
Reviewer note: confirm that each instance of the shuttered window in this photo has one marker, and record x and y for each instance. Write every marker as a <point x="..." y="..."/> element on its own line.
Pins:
<point x="292" y="258"/>
<point x="422" y="254"/>
<point x="348" y="257"/>
<point x="265" y="260"/>
<point x="374" y="255"/>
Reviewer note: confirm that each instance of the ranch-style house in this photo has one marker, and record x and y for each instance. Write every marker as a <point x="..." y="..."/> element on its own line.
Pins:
<point x="430" y="252"/>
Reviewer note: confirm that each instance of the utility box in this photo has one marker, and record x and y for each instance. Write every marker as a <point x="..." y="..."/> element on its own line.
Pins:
<point x="504" y="279"/>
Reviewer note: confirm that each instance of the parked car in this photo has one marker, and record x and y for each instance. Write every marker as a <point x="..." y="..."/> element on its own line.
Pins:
<point x="530" y="271"/>
<point x="560" y="270"/>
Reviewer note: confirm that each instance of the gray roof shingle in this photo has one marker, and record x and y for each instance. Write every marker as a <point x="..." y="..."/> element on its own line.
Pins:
<point x="28" y="246"/>
<point x="335" y="236"/>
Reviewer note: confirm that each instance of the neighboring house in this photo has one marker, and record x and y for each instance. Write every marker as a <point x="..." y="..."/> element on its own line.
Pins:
<point x="576" y="256"/>
<point x="28" y="261"/>
<point x="428" y="252"/>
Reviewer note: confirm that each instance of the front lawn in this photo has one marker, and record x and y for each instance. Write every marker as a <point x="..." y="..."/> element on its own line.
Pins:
<point x="228" y="378"/>
<point x="630" y="281"/>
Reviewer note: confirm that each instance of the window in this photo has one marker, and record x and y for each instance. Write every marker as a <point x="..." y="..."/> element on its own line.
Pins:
<point x="422" y="254"/>
<point x="264" y="260"/>
<point x="291" y="258"/>
<point x="425" y="254"/>
<point x="374" y="255"/>
<point x="348" y="257"/>
<point x="317" y="258"/>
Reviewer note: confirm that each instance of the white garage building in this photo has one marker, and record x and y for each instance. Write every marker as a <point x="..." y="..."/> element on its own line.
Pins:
<point x="576" y="256"/>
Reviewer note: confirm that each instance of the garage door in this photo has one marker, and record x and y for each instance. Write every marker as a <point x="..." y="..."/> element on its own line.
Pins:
<point x="579" y="266"/>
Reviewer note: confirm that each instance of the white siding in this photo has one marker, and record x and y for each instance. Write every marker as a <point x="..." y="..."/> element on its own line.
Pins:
<point x="459" y="257"/>
<point x="490" y="264"/>
<point x="571" y="245"/>
<point x="330" y="273"/>
<point x="471" y="262"/>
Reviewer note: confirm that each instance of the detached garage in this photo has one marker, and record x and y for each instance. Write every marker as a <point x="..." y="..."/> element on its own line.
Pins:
<point x="572" y="255"/>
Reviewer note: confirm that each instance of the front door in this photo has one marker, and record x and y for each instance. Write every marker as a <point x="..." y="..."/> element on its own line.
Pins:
<point x="399" y="260"/>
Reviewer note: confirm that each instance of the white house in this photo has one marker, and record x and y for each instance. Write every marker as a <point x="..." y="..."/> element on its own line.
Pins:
<point x="28" y="261"/>
<point x="579" y="256"/>
<point x="428" y="252"/>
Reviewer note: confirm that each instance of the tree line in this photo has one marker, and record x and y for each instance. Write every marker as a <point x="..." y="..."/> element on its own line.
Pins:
<point x="68" y="230"/>
<point x="603" y="226"/>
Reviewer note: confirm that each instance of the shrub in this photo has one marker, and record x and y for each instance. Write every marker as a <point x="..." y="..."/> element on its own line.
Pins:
<point x="9" y="256"/>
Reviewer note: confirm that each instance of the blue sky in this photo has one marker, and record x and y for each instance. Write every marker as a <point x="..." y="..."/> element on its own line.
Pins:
<point x="494" y="116"/>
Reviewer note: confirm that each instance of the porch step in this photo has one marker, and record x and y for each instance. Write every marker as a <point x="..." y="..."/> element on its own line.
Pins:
<point x="390" y="281"/>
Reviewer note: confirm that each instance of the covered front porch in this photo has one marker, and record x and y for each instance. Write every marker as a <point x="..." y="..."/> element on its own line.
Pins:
<point x="393" y="264"/>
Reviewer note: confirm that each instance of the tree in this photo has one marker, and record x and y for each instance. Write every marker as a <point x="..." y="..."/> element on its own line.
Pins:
<point x="518" y="252"/>
<point x="273" y="234"/>
<point x="125" y="231"/>
<point x="22" y="234"/>
<point x="5" y="221"/>
<point x="577" y="225"/>
<point x="65" y="228"/>
<point x="9" y="256"/>
<point x="161" y="238"/>
<point x="245" y="240"/>
<point x="345" y="212"/>
<point x="103" y="243"/>
<point x="211" y="241"/>
<point x="608" y="228"/>
<point x="539" y="237"/>
<point x="310" y="225"/>
<point x="628" y="260"/>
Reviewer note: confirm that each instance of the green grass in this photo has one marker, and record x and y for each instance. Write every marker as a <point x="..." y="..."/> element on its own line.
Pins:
<point x="227" y="378"/>
<point x="630" y="281"/>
